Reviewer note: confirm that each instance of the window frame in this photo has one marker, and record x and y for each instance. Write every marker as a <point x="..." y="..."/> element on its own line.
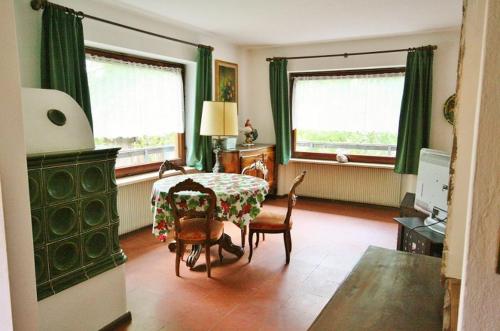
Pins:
<point x="333" y="156"/>
<point x="181" y="142"/>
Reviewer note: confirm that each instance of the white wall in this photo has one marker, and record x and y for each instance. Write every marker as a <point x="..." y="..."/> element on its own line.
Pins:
<point x="480" y="295"/>
<point x="86" y="306"/>
<point x="468" y="96"/>
<point x="256" y="104"/>
<point x="5" y="307"/>
<point x="19" y="241"/>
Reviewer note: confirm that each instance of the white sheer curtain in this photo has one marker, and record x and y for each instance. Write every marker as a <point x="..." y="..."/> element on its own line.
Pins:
<point x="364" y="103"/>
<point x="133" y="99"/>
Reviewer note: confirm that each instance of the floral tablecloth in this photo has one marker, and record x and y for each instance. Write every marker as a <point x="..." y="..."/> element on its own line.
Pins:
<point x="239" y="198"/>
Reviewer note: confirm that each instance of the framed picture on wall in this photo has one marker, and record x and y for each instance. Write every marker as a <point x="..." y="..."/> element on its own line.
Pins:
<point x="226" y="81"/>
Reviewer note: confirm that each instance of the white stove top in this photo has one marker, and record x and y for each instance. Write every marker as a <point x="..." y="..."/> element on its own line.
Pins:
<point x="43" y="135"/>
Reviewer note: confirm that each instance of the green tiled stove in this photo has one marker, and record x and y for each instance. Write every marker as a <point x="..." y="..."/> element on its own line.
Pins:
<point x="74" y="217"/>
<point x="73" y="196"/>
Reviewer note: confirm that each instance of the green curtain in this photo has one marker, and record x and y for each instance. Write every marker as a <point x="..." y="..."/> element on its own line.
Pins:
<point x="200" y="155"/>
<point x="63" y="55"/>
<point x="415" y="116"/>
<point x="278" y="82"/>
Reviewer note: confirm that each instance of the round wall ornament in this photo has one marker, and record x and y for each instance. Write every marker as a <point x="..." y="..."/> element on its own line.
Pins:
<point x="449" y="109"/>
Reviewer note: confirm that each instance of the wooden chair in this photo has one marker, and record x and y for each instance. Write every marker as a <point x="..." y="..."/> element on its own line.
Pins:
<point x="194" y="227"/>
<point x="259" y="168"/>
<point x="167" y="165"/>
<point x="267" y="222"/>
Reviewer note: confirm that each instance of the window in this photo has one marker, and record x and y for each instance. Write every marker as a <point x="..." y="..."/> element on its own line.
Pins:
<point x="353" y="112"/>
<point x="138" y="105"/>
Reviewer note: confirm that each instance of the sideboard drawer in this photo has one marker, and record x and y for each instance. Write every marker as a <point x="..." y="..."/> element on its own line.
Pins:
<point x="236" y="159"/>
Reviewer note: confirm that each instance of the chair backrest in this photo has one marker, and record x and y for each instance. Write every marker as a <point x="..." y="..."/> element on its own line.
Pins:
<point x="178" y="213"/>
<point x="167" y="165"/>
<point x="259" y="166"/>
<point x="292" y="197"/>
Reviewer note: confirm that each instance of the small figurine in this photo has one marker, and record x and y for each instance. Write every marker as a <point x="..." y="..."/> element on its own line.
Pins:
<point x="250" y="133"/>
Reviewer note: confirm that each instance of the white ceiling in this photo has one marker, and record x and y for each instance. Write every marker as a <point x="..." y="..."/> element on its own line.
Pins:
<point x="279" y="22"/>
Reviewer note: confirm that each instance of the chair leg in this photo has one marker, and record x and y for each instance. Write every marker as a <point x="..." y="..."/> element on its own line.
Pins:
<point x="287" y="247"/>
<point x="263" y="237"/>
<point x="257" y="241"/>
<point x="178" y="251"/>
<point x="290" y="241"/>
<point x="250" y="243"/>
<point x="220" y="252"/>
<point x="207" y="258"/>
<point x="243" y="236"/>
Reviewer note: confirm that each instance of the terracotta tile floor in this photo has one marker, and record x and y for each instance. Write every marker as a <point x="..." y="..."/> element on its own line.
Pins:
<point x="328" y="239"/>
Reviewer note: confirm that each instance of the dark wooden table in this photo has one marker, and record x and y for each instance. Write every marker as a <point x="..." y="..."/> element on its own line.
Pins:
<point x="387" y="290"/>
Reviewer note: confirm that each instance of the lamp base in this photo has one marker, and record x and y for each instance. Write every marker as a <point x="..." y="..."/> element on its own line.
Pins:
<point x="218" y="167"/>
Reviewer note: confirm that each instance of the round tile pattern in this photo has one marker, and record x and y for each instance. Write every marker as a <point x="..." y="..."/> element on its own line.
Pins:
<point x="62" y="221"/>
<point x="40" y="267"/>
<point x="60" y="185"/>
<point x="112" y="176"/>
<point x="34" y="189"/>
<point x="116" y="239"/>
<point x="36" y="228"/>
<point x="96" y="244"/>
<point x="66" y="256"/>
<point x="114" y="205"/>
<point x="94" y="212"/>
<point x="93" y="179"/>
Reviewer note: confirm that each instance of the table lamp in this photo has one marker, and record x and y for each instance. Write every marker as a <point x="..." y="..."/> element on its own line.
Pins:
<point x="219" y="119"/>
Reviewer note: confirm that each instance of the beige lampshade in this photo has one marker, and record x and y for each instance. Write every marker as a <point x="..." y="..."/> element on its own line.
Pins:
<point x="219" y="119"/>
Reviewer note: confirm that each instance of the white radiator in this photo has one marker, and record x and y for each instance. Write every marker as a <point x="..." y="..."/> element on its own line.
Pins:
<point x="345" y="182"/>
<point x="134" y="206"/>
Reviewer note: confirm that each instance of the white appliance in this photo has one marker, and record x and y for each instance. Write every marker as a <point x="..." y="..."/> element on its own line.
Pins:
<point x="431" y="196"/>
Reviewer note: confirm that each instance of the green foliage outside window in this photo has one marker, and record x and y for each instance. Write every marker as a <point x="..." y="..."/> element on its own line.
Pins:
<point x="347" y="137"/>
<point x="387" y="138"/>
<point x="138" y="142"/>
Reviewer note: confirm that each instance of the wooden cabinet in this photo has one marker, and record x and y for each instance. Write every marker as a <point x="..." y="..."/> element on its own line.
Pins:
<point x="234" y="160"/>
<point x="413" y="235"/>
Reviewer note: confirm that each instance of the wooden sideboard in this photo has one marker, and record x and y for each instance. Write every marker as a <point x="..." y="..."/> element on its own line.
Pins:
<point x="234" y="160"/>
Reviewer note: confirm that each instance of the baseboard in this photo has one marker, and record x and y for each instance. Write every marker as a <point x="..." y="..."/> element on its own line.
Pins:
<point x="125" y="318"/>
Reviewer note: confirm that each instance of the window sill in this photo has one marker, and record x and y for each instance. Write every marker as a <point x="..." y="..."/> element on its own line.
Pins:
<point x="347" y="164"/>
<point x="153" y="175"/>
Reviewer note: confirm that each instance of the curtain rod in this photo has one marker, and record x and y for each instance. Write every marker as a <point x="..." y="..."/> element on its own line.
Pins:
<point x="40" y="4"/>
<point x="433" y="47"/>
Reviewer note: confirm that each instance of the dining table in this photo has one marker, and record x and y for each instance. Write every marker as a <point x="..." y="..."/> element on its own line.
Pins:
<point x="239" y="201"/>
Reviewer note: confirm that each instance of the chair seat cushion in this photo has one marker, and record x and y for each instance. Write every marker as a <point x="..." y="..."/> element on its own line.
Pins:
<point x="194" y="229"/>
<point x="270" y="221"/>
